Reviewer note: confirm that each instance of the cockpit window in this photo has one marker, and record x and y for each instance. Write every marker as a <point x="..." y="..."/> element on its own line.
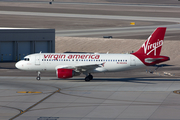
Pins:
<point x="26" y="59"/>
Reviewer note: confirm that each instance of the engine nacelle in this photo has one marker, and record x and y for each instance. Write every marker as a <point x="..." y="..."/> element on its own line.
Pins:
<point x="66" y="73"/>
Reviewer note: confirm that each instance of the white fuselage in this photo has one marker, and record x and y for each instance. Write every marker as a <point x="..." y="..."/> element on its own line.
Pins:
<point x="106" y="62"/>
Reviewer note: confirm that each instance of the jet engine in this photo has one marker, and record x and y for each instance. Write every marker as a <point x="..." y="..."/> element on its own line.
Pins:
<point x="66" y="73"/>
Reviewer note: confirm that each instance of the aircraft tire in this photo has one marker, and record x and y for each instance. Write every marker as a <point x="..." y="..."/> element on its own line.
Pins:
<point x="91" y="77"/>
<point x="38" y="78"/>
<point x="87" y="78"/>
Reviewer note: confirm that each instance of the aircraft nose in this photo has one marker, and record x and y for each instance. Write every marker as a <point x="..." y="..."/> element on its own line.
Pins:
<point x="18" y="65"/>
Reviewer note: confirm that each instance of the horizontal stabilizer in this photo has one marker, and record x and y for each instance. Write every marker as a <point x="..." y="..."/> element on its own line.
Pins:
<point x="150" y="60"/>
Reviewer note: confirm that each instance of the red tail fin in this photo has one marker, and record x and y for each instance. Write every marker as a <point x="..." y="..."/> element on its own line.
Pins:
<point x="153" y="44"/>
<point x="149" y="52"/>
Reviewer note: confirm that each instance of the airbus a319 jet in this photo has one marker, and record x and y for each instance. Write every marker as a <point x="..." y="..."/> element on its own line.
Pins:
<point x="67" y="65"/>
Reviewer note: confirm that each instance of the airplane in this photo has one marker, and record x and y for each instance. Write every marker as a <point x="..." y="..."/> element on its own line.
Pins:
<point x="67" y="65"/>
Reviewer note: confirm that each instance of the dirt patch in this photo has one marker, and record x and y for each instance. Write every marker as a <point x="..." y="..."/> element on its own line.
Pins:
<point x="101" y="45"/>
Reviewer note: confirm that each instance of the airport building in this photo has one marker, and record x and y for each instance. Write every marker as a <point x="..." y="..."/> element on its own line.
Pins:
<point x="15" y="43"/>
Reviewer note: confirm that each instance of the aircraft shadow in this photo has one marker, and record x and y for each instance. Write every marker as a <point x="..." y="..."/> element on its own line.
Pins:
<point x="145" y="80"/>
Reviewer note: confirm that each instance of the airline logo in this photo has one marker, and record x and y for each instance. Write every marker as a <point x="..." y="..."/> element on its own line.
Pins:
<point x="150" y="47"/>
<point x="75" y="56"/>
<point x="103" y="64"/>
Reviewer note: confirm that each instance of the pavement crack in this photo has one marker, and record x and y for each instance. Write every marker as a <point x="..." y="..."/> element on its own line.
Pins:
<point x="22" y="112"/>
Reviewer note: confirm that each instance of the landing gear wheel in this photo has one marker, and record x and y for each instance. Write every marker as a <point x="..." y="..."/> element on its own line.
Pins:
<point x="87" y="79"/>
<point x="38" y="78"/>
<point x="90" y="76"/>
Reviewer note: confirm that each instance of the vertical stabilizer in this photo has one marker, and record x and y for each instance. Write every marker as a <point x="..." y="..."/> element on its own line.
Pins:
<point x="149" y="52"/>
<point x="154" y="43"/>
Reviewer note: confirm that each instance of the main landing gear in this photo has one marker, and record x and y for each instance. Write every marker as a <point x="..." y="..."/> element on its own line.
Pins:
<point x="88" y="77"/>
<point x="38" y="77"/>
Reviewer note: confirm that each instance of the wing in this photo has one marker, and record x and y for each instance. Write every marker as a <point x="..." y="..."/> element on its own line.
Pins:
<point x="82" y="67"/>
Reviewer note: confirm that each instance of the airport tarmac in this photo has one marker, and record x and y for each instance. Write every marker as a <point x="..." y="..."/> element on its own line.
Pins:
<point x="102" y="98"/>
<point x="127" y="95"/>
<point x="93" y="19"/>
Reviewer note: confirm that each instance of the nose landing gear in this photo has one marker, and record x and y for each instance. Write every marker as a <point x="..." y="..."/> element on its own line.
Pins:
<point x="38" y="77"/>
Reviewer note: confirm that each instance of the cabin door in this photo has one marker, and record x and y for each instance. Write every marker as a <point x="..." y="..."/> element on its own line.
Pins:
<point x="37" y="60"/>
